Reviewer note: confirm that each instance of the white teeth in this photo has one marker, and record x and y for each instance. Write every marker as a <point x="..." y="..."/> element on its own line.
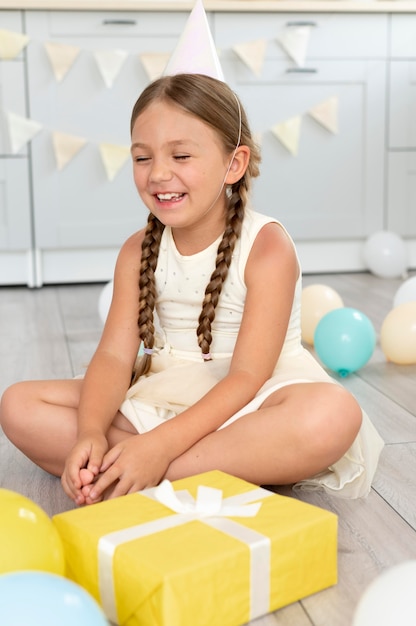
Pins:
<point x="169" y="196"/>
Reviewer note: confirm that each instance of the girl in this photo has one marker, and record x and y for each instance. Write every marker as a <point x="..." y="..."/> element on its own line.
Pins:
<point x="212" y="290"/>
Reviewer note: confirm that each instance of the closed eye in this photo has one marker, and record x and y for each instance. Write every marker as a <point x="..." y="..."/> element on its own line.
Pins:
<point x="181" y="157"/>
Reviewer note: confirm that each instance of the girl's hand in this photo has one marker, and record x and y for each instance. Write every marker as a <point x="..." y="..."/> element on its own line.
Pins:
<point x="133" y="464"/>
<point x="83" y="465"/>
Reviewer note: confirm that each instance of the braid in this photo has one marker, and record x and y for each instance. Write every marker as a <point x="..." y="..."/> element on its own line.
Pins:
<point x="234" y="220"/>
<point x="147" y="298"/>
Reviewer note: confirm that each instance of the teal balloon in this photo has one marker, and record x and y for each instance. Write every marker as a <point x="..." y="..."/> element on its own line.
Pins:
<point x="35" y="598"/>
<point x="344" y="340"/>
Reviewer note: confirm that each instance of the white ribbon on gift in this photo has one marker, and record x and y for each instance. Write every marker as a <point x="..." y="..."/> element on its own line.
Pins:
<point x="212" y="509"/>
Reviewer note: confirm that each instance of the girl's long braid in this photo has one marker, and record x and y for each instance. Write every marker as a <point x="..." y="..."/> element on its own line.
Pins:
<point x="234" y="220"/>
<point x="147" y="284"/>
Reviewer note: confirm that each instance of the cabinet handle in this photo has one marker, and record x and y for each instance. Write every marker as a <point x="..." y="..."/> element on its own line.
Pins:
<point x="301" y="23"/>
<point x="301" y="70"/>
<point x="119" y="22"/>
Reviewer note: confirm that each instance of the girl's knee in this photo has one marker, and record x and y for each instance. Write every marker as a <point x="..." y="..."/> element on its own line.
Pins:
<point x="10" y="406"/>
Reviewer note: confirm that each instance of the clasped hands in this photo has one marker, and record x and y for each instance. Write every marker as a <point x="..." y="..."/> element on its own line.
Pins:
<point x="93" y="472"/>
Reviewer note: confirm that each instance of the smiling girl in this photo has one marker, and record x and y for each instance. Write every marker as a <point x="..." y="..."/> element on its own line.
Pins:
<point x="212" y="291"/>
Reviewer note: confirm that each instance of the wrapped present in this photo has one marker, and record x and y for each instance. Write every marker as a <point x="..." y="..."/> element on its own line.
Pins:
<point x="208" y="550"/>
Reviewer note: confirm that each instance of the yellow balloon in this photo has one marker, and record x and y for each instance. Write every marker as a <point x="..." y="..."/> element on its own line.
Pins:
<point x="317" y="301"/>
<point x="28" y="537"/>
<point x="398" y="334"/>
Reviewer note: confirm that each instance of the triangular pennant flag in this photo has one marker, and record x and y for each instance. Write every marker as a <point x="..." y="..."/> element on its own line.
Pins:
<point x="66" y="147"/>
<point x="11" y="44"/>
<point x="21" y="131"/>
<point x="114" y="157"/>
<point x="252" y="54"/>
<point x="295" y="40"/>
<point x="154" y="63"/>
<point x="326" y="113"/>
<point x="195" y="52"/>
<point x="62" y="57"/>
<point x="288" y="133"/>
<point x="110" y="63"/>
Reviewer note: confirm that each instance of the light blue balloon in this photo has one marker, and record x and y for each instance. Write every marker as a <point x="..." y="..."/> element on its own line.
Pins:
<point x="344" y="340"/>
<point x="31" y="598"/>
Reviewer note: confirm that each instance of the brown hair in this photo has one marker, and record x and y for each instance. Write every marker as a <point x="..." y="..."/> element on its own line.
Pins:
<point x="214" y="103"/>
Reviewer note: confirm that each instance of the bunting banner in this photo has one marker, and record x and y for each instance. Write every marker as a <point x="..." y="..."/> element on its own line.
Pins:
<point x="11" y="44"/>
<point x="154" y="64"/>
<point x="110" y="63"/>
<point x="252" y="54"/>
<point x="62" y="57"/>
<point x="326" y="114"/>
<point x="295" y="40"/>
<point x="288" y="133"/>
<point x="113" y="157"/>
<point x="21" y="131"/>
<point x="66" y="147"/>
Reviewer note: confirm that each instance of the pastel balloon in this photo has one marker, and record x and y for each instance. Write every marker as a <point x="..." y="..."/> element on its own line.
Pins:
<point x="317" y="300"/>
<point x="104" y="301"/>
<point x="406" y="292"/>
<point x="344" y="340"/>
<point x="389" y="599"/>
<point x="43" y="599"/>
<point x="398" y="334"/>
<point x="28" y="537"/>
<point x="385" y="254"/>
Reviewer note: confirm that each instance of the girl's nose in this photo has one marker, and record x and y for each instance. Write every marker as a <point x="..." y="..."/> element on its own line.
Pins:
<point x="160" y="170"/>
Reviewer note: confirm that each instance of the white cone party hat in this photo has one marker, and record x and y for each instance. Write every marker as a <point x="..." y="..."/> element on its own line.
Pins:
<point x="195" y="52"/>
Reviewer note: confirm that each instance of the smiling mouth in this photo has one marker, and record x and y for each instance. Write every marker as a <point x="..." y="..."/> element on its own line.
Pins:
<point x="169" y="197"/>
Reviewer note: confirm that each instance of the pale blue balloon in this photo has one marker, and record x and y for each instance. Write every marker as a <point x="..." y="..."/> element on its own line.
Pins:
<point x="31" y="598"/>
<point x="344" y="340"/>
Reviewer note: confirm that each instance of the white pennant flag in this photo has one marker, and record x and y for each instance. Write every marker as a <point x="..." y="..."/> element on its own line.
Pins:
<point x="21" y="131"/>
<point x="154" y="63"/>
<point x="295" y="40"/>
<point x="252" y="54"/>
<point x="110" y="63"/>
<point x="288" y="133"/>
<point x="326" y="114"/>
<point x="66" y="147"/>
<point x="62" y="57"/>
<point x="11" y="44"/>
<point x="114" y="157"/>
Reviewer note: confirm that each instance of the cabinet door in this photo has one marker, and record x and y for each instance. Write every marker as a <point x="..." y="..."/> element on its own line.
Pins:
<point x="332" y="189"/>
<point x="16" y="262"/>
<point x="401" y="196"/>
<point x="82" y="217"/>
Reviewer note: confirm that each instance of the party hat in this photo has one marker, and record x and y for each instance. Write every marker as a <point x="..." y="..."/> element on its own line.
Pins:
<point x="195" y="52"/>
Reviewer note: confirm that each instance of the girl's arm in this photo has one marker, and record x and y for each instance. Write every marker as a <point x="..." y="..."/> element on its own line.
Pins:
<point x="270" y="276"/>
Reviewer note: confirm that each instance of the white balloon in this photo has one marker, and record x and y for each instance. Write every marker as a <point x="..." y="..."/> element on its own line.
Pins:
<point x="390" y="600"/>
<point x="104" y="301"/>
<point x="385" y="254"/>
<point x="406" y="292"/>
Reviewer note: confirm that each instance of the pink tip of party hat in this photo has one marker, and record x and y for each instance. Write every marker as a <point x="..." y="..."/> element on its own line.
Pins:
<point x="195" y="52"/>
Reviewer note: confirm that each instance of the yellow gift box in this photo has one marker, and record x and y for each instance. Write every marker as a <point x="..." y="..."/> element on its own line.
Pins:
<point x="217" y="563"/>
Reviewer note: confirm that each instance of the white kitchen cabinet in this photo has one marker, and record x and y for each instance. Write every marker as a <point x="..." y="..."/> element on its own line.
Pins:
<point x="331" y="190"/>
<point x="82" y="217"/>
<point x="16" y="255"/>
<point x="401" y="182"/>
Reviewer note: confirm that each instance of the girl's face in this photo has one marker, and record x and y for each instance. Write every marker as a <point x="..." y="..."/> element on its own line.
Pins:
<point x="179" y="168"/>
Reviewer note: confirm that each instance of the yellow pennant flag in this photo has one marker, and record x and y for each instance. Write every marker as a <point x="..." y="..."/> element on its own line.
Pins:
<point x="21" y="131"/>
<point x="11" y="44"/>
<point x="326" y="114"/>
<point x="110" y="63"/>
<point x="288" y="133"/>
<point x="62" y="57"/>
<point x="66" y="147"/>
<point x="154" y="64"/>
<point x="114" y="157"/>
<point x="252" y="54"/>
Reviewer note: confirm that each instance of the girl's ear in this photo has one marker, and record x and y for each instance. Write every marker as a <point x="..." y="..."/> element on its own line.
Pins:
<point x="238" y="165"/>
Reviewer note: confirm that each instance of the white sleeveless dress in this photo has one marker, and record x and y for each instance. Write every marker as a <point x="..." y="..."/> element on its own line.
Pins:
<point x="179" y="376"/>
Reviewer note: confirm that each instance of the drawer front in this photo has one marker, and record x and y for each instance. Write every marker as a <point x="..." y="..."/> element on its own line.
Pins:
<point x="331" y="35"/>
<point x="403" y="36"/>
<point x="11" y="20"/>
<point x="402" y="101"/>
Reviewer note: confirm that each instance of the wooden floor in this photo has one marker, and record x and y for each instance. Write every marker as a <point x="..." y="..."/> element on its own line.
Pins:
<point x="51" y="332"/>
